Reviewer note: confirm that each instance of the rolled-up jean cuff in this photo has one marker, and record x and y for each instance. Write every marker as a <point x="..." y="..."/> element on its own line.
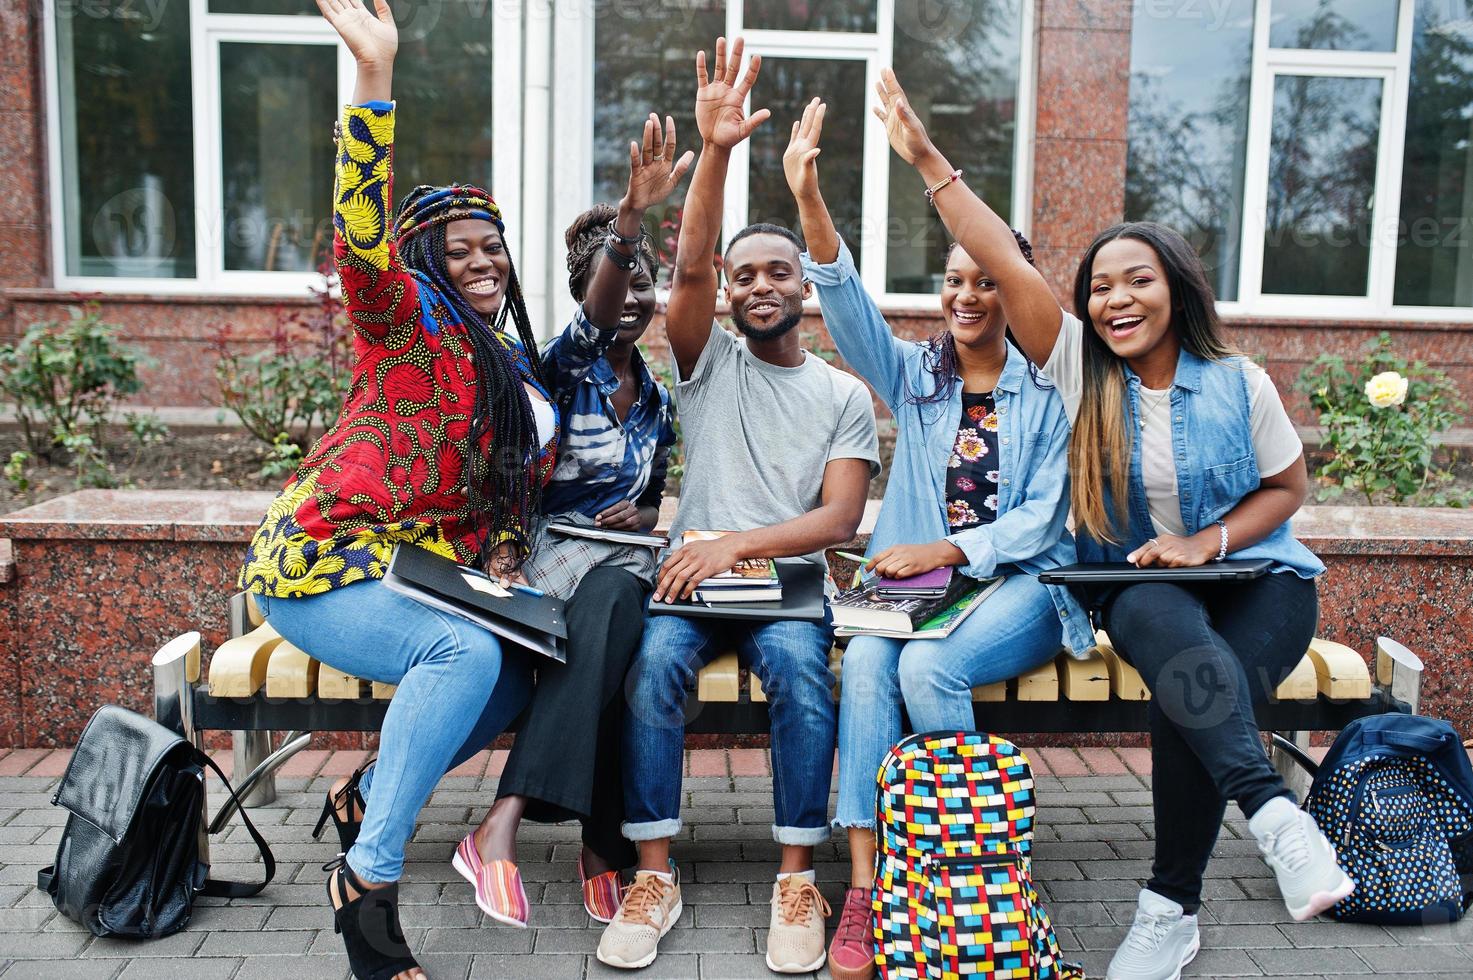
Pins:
<point x="801" y="836"/>
<point x="838" y="824"/>
<point x="650" y="829"/>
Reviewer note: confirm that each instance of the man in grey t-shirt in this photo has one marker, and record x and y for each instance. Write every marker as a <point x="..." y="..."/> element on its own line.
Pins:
<point x="780" y="449"/>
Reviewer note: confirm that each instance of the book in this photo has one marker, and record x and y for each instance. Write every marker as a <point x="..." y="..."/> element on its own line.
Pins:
<point x="750" y="573"/>
<point x="940" y="625"/>
<point x="802" y="598"/>
<point x="866" y="607"/>
<point x="933" y="583"/>
<point x="737" y="595"/>
<point x="520" y="616"/>
<point x="656" y="541"/>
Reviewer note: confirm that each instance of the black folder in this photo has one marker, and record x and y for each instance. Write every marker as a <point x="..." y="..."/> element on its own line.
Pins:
<point x="803" y="598"/>
<point x="535" y="622"/>
<point x="1237" y="570"/>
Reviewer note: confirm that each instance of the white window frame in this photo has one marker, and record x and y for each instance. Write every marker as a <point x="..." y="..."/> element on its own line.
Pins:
<point x="207" y="32"/>
<point x="1393" y="70"/>
<point x="874" y="49"/>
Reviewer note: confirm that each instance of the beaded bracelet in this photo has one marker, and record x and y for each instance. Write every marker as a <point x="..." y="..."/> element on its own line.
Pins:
<point x="949" y="179"/>
<point x="1221" y="548"/>
<point x="626" y="242"/>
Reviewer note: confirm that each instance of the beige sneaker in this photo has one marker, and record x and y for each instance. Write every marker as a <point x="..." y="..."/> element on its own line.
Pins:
<point x="650" y="907"/>
<point x="795" y="932"/>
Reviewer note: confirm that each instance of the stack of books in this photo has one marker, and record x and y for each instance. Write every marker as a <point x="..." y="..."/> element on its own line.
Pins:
<point x="909" y="609"/>
<point x="752" y="580"/>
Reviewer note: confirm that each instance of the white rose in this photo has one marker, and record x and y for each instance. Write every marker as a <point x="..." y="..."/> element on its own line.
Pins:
<point x="1387" y="389"/>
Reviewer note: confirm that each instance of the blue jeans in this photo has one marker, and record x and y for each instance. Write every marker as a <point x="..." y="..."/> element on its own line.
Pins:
<point x="1015" y="629"/>
<point x="455" y="693"/>
<point x="791" y="658"/>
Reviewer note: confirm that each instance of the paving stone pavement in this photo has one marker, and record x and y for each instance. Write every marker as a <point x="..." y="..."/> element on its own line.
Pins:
<point x="1093" y="850"/>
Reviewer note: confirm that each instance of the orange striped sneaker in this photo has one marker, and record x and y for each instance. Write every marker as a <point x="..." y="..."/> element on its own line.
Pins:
<point x="600" y="893"/>
<point x="498" y="884"/>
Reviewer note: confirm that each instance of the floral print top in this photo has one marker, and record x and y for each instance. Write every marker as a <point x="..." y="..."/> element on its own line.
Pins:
<point x="971" y="475"/>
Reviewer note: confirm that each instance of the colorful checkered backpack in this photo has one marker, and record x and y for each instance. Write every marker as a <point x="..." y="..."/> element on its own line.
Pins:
<point x="954" y="891"/>
<point x="1395" y="796"/>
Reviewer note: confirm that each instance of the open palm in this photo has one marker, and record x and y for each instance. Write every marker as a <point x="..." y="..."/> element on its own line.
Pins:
<point x="653" y="169"/>
<point x="372" y="38"/>
<point x="720" y="98"/>
<point x="800" y="160"/>
<point x="903" y="128"/>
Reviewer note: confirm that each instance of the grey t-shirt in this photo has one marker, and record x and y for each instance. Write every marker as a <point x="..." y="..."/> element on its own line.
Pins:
<point x="757" y="437"/>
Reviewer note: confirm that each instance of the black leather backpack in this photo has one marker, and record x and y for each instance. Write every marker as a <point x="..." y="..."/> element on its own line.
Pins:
<point x="128" y="863"/>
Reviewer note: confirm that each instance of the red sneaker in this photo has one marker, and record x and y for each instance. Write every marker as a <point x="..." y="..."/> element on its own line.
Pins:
<point x="852" y="953"/>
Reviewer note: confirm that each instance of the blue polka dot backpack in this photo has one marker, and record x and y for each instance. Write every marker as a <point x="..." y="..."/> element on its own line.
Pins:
<point x="1395" y="797"/>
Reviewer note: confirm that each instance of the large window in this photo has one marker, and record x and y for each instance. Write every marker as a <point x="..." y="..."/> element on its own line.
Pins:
<point x="963" y="63"/>
<point x="192" y="140"/>
<point x="1318" y="153"/>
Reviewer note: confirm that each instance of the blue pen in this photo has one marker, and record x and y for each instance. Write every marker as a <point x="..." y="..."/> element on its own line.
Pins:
<point x="527" y="589"/>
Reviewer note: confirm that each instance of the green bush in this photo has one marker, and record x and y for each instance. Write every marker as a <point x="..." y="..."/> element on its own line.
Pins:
<point x="1382" y="416"/>
<point x="289" y="393"/>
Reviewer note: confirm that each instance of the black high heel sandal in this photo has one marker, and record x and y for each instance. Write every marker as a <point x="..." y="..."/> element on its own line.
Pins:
<point x="349" y="794"/>
<point x="369" y="925"/>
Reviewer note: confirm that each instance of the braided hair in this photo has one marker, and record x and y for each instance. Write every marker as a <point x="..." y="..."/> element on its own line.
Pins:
<point x="501" y="492"/>
<point x="941" y="348"/>
<point x="585" y="239"/>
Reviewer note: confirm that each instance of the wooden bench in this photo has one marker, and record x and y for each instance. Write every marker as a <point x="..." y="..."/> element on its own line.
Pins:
<point x="259" y="683"/>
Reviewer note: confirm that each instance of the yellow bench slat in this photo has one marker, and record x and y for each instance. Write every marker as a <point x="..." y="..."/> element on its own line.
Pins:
<point x="719" y="680"/>
<point x="1340" y="671"/>
<point x="238" y="668"/>
<point x="836" y="659"/>
<point x="1039" y="684"/>
<point x="253" y="612"/>
<point x="333" y="684"/>
<point x="991" y="692"/>
<point x="1125" y="681"/>
<point x="1300" y="685"/>
<point x="383" y="692"/>
<point x="290" y="673"/>
<point x="1086" y="679"/>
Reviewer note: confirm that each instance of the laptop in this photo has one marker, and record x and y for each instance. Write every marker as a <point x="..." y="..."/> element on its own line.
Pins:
<point x="1237" y="570"/>
<point x="803" y="598"/>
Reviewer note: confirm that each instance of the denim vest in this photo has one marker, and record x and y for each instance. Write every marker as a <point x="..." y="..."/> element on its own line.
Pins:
<point x="1216" y="467"/>
<point x="1030" y="534"/>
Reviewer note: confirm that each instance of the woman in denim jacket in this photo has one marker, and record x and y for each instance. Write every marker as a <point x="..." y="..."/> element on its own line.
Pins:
<point x="979" y="482"/>
<point x="1181" y="453"/>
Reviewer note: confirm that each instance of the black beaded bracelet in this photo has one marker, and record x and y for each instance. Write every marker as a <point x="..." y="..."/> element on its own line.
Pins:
<point x="625" y="262"/>
<point x="626" y="242"/>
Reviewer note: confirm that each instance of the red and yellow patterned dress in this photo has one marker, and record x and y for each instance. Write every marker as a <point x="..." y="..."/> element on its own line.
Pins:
<point x="391" y="469"/>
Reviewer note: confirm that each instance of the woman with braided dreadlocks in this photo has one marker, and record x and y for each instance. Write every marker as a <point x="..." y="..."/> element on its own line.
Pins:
<point x="446" y="438"/>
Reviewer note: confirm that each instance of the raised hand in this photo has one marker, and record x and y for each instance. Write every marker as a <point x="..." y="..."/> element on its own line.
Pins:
<point x="653" y="169"/>
<point x="904" y="129"/>
<point x="720" y="115"/>
<point x="800" y="159"/>
<point x="373" y="38"/>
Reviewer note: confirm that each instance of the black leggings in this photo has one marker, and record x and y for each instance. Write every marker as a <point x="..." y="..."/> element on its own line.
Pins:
<point x="1208" y="653"/>
<point x="566" y="757"/>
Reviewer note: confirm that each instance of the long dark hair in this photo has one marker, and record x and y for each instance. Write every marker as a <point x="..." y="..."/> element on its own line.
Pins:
<point x="940" y="358"/>
<point x="1101" y="444"/>
<point x="501" y="492"/>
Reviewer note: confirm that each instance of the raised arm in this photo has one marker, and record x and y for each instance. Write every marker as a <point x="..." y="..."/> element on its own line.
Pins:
<point x="1030" y="305"/>
<point x="723" y="123"/>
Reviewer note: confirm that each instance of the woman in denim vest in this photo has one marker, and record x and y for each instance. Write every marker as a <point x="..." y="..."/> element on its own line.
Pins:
<point x="1181" y="454"/>
<point x="979" y="483"/>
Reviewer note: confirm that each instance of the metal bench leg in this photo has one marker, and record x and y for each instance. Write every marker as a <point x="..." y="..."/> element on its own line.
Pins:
<point x="1399" y="672"/>
<point x="265" y="770"/>
<point x="250" y="749"/>
<point x="1295" y="775"/>
<point x="173" y="707"/>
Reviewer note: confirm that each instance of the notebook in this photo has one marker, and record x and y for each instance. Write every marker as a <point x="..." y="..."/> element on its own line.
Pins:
<point x="535" y="622"/>
<point x="656" y="541"/>
<point x="1238" y="570"/>
<point x="803" y="598"/>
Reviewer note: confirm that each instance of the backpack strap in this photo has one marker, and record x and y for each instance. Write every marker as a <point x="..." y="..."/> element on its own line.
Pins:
<point x="220" y="888"/>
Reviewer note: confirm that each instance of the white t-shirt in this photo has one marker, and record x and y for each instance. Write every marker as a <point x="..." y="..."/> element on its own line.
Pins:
<point x="1275" y="443"/>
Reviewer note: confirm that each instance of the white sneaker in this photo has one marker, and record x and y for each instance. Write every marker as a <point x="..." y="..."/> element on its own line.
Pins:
<point x="1301" y="856"/>
<point x="651" y="906"/>
<point x="1160" y="942"/>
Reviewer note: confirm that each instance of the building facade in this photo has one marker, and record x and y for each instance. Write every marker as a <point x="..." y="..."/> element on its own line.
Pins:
<point x="171" y="158"/>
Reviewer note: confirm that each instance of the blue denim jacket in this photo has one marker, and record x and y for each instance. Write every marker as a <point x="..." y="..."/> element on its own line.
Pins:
<point x="1216" y="467"/>
<point x="601" y="460"/>
<point x="1033" y="475"/>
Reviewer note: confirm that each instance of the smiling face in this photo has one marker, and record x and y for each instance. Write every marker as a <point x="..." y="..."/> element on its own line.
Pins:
<point x="1129" y="299"/>
<point x="765" y="286"/>
<point x="477" y="263"/>
<point x="639" y="301"/>
<point x="969" y="302"/>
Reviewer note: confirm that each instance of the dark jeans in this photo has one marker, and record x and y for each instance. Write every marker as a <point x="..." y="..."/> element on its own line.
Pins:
<point x="1208" y="653"/>
<point x="566" y="758"/>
